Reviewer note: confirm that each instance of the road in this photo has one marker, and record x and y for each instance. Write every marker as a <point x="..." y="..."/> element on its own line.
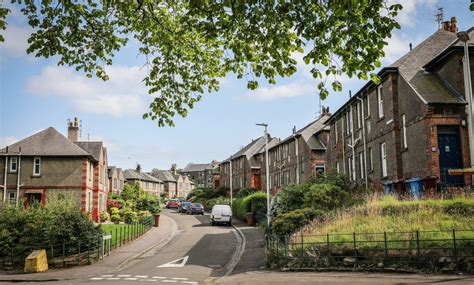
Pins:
<point x="198" y="253"/>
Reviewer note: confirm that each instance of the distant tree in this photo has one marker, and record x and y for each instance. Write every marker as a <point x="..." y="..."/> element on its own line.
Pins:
<point x="190" y="45"/>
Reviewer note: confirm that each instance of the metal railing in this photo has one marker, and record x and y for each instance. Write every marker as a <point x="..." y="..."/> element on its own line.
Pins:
<point x="435" y="251"/>
<point x="79" y="252"/>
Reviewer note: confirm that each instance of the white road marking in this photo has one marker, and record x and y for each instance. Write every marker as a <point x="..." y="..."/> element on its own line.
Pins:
<point x="189" y="282"/>
<point x="107" y="276"/>
<point x="179" y="278"/>
<point x="169" y="281"/>
<point x="180" y="262"/>
<point x="158" y="277"/>
<point x="126" y="275"/>
<point x="141" y="276"/>
<point x="113" y="278"/>
<point x="96" y="278"/>
<point x="131" y="278"/>
<point x="151" y="280"/>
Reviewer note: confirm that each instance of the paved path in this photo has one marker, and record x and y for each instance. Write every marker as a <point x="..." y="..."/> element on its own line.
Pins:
<point x="119" y="257"/>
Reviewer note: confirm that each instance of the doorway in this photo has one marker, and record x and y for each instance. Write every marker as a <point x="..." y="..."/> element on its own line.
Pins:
<point x="450" y="155"/>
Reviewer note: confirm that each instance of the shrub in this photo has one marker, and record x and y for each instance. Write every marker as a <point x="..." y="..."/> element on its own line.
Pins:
<point x="114" y="203"/>
<point x="148" y="202"/>
<point x="114" y="211"/>
<point x="115" y="218"/>
<point x="256" y="203"/>
<point x="325" y="197"/>
<point x="215" y="201"/>
<point x="288" y="223"/>
<point x="290" y="198"/>
<point x="238" y="209"/>
<point x="340" y="180"/>
<point x="143" y="215"/>
<point x="129" y="216"/>
<point x="57" y="222"/>
<point x="104" y="216"/>
<point x="242" y="193"/>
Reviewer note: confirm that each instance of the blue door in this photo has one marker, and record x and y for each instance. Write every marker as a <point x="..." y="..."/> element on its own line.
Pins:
<point x="450" y="155"/>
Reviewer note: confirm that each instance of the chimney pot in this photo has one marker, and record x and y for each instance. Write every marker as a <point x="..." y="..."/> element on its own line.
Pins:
<point x="447" y="26"/>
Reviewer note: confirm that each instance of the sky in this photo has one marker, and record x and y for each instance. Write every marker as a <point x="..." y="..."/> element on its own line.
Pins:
<point x="36" y="94"/>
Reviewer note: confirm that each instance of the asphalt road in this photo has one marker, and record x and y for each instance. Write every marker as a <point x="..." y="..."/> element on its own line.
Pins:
<point x="199" y="252"/>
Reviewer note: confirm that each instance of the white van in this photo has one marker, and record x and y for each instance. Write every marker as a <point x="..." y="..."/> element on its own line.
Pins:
<point x="221" y="214"/>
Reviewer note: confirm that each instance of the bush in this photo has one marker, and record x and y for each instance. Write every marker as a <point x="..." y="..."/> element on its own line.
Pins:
<point x="129" y="216"/>
<point x="288" y="223"/>
<point x="340" y="180"/>
<point x="290" y="198"/>
<point x="115" y="218"/>
<point x="114" y="203"/>
<point x="215" y="201"/>
<point x="256" y="203"/>
<point x="325" y="197"/>
<point x="104" y="216"/>
<point x="57" y="222"/>
<point x="114" y="211"/>
<point x="148" y="202"/>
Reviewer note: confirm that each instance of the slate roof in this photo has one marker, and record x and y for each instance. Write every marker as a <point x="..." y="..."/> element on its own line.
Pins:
<point x="48" y="142"/>
<point x="196" y="167"/>
<point x="308" y="133"/>
<point x="111" y="170"/>
<point x="251" y="149"/>
<point x="132" y="174"/>
<point x="163" y="175"/>
<point x="273" y="142"/>
<point x="433" y="90"/>
<point x="94" y="148"/>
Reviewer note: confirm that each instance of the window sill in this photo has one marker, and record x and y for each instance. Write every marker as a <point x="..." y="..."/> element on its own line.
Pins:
<point x="12" y="172"/>
<point x="381" y="119"/>
<point x="36" y="176"/>
<point x="404" y="149"/>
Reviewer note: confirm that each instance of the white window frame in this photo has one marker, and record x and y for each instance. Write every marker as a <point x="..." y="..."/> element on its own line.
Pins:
<point x="380" y="100"/>
<point x="338" y="170"/>
<point x="348" y="127"/>
<point x="404" y="131"/>
<point x="37" y="158"/>
<point x="359" y="114"/>
<point x="383" y="156"/>
<point x="361" y="165"/>
<point x="11" y="197"/>
<point x="335" y="131"/>
<point x="13" y="158"/>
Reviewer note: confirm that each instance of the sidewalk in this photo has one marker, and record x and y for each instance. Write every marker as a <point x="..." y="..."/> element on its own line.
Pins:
<point x="119" y="258"/>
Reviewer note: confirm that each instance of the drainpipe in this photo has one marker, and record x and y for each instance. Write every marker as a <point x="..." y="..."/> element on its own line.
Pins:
<point x="18" y="178"/>
<point x="230" y="182"/>
<point x="5" y="177"/>
<point x="353" y="143"/>
<point x="343" y="145"/>
<point x="297" y="161"/>
<point x="365" y="143"/>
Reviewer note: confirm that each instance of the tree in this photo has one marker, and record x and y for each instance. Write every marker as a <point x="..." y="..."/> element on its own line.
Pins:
<point x="190" y="44"/>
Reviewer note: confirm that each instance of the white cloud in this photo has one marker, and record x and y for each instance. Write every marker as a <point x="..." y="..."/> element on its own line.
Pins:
<point x="398" y="45"/>
<point x="281" y="91"/>
<point x="16" y="41"/>
<point x="122" y="95"/>
<point x="4" y="141"/>
<point x="409" y="15"/>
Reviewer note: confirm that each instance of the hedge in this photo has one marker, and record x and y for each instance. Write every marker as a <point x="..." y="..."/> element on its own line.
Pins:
<point x="256" y="203"/>
<point x="286" y="224"/>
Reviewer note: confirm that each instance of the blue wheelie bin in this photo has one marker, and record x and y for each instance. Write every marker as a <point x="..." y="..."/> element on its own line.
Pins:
<point x="388" y="187"/>
<point x="415" y="187"/>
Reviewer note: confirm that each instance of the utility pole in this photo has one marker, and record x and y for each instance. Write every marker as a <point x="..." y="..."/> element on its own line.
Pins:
<point x="267" y="174"/>
<point x="439" y="17"/>
<point x="231" y="186"/>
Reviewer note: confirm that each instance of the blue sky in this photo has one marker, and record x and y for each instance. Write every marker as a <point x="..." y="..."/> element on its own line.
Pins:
<point x="36" y="94"/>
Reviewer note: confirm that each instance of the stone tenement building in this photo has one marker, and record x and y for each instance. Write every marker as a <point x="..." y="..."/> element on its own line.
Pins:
<point x="149" y="183"/>
<point x="412" y="124"/>
<point x="298" y="157"/>
<point x="201" y="173"/>
<point x="169" y="182"/>
<point x="116" y="180"/>
<point x="47" y="164"/>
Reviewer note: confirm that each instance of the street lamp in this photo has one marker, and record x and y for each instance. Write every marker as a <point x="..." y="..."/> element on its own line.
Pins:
<point x="267" y="174"/>
<point x="464" y="37"/>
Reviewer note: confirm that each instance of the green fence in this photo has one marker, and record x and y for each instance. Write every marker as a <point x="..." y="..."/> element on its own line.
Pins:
<point x="80" y="252"/>
<point x="435" y="251"/>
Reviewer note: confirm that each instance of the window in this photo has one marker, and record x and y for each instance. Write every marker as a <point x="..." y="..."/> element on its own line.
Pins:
<point x="338" y="170"/>
<point x="383" y="155"/>
<point x="361" y="165"/>
<point x="89" y="202"/>
<point x="380" y="100"/>
<point x="12" y="197"/>
<point x="13" y="164"/>
<point x="347" y="123"/>
<point x="367" y="101"/>
<point x="335" y="132"/>
<point x="349" y="166"/>
<point x="371" y="162"/>
<point x="351" y="120"/>
<point x="37" y="166"/>
<point x="359" y="114"/>
<point x="91" y="169"/>
<point x="404" y="131"/>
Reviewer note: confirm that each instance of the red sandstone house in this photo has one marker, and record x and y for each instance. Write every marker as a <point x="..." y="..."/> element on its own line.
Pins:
<point x="47" y="165"/>
<point x="412" y="124"/>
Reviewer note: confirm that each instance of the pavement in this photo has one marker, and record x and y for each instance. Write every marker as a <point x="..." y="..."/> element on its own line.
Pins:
<point x="119" y="258"/>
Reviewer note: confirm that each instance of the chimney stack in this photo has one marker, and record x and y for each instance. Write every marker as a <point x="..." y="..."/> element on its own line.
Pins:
<point x="447" y="26"/>
<point x="73" y="130"/>
<point x="454" y="25"/>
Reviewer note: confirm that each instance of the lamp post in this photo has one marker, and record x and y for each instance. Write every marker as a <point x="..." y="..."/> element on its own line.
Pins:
<point x="464" y="37"/>
<point x="267" y="174"/>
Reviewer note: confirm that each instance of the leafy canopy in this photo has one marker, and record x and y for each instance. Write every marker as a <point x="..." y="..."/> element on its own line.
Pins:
<point x="190" y="45"/>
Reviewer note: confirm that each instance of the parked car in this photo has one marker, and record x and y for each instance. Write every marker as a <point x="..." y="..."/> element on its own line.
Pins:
<point x="195" y="208"/>
<point x="183" y="207"/>
<point x="172" y="203"/>
<point x="221" y="214"/>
